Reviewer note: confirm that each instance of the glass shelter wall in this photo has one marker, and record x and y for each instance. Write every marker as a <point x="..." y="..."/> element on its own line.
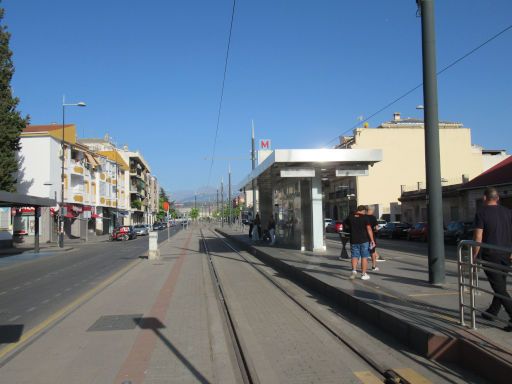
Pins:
<point x="287" y="212"/>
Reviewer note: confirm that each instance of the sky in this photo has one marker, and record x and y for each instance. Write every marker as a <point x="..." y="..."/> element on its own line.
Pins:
<point x="304" y="70"/>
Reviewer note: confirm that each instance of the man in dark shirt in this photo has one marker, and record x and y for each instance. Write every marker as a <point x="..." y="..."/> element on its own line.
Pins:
<point x="493" y="225"/>
<point x="361" y="240"/>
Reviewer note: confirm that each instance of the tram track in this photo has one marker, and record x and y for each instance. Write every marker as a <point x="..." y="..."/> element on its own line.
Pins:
<point x="248" y="372"/>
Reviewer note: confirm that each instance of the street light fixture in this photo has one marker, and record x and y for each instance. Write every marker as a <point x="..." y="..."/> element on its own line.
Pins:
<point x="61" y="219"/>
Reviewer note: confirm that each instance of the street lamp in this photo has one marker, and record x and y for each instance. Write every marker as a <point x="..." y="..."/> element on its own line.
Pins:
<point x="61" y="220"/>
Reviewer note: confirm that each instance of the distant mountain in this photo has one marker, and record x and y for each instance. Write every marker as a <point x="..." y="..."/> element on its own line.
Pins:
<point x="203" y="194"/>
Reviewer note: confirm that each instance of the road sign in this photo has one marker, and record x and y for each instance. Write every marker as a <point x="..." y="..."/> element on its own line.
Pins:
<point x="165" y="206"/>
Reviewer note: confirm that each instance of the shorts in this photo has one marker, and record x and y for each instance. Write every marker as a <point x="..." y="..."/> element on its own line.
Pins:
<point x="360" y="250"/>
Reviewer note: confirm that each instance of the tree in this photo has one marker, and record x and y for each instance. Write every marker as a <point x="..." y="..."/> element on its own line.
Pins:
<point x="11" y="122"/>
<point x="194" y="213"/>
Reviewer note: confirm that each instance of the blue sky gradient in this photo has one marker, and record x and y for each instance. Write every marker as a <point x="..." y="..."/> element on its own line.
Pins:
<point x="151" y="72"/>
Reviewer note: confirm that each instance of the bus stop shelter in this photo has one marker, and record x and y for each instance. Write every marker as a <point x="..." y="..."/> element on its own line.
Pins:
<point x="288" y="185"/>
<point x="17" y="200"/>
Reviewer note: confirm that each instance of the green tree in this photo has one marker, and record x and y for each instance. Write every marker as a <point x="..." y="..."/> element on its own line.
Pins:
<point x="11" y="122"/>
<point x="194" y="213"/>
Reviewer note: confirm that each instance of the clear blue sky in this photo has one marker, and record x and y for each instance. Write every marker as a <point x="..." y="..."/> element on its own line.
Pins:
<point x="151" y="72"/>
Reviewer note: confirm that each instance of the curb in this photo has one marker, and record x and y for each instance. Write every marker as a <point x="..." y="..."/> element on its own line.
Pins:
<point x="426" y="342"/>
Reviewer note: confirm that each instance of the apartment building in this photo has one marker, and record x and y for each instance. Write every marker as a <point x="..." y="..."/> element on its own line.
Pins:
<point x="403" y="166"/>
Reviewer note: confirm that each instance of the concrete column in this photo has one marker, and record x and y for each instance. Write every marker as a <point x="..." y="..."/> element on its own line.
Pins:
<point x="317" y="216"/>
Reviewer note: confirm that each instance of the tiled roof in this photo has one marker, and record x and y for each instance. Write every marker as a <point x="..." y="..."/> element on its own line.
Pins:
<point x="44" y="128"/>
<point x="500" y="174"/>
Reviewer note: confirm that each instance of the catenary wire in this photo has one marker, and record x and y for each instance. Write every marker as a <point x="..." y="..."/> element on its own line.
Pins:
<point x="421" y="84"/>
<point x="222" y="91"/>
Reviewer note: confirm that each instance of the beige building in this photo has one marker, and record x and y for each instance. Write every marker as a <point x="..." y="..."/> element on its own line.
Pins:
<point x="403" y="166"/>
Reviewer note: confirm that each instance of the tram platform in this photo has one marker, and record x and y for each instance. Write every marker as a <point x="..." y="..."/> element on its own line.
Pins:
<point x="397" y="299"/>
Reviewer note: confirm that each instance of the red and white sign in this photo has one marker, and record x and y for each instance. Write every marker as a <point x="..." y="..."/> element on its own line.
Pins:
<point x="265" y="144"/>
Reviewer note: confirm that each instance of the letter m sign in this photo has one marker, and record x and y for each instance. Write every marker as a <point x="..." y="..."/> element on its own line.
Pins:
<point x="265" y="144"/>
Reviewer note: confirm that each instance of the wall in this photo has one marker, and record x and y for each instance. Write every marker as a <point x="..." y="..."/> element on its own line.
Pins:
<point x="404" y="160"/>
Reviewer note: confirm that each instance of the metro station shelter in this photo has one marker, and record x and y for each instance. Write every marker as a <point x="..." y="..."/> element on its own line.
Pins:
<point x="289" y="184"/>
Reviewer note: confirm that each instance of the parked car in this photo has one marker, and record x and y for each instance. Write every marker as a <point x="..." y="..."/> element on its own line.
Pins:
<point x="394" y="230"/>
<point x="326" y="222"/>
<point x="419" y="231"/>
<point x="126" y="232"/>
<point x="141" y="229"/>
<point x="381" y="224"/>
<point x="335" y="226"/>
<point x="157" y="226"/>
<point x="458" y="230"/>
<point x="164" y="224"/>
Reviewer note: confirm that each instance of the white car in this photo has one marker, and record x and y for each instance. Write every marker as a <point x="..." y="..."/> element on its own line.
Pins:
<point x="326" y="222"/>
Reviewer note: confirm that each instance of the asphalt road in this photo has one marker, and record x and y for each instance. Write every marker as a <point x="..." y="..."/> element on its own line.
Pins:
<point x="32" y="291"/>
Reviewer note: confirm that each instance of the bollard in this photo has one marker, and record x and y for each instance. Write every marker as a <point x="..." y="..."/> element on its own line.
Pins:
<point x="153" y="253"/>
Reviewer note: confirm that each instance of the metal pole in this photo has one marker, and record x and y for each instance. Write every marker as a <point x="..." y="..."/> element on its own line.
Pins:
<point x="436" y="262"/>
<point x="217" y="203"/>
<point x="222" y="202"/>
<point x="229" y="196"/>
<point x="253" y="159"/>
<point x="37" y="214"/>
<point x="61" y="208"/>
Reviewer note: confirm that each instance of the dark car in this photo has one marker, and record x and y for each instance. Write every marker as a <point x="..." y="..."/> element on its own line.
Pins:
<point x="334" y="226"/>
<point x="418" y="231"/>
<point x="458" y="230"/>
<point x="125" y="232"/>
<point x="157" y="226"/>
<point x="394" y="230"/>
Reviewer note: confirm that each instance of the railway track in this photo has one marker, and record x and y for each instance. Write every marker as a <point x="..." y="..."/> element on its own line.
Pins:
<point x="247" y="370"/>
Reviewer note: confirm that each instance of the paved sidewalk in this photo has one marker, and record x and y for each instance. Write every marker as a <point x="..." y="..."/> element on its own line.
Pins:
<point x="157" y="323"/>
<point x="400" y="288"/>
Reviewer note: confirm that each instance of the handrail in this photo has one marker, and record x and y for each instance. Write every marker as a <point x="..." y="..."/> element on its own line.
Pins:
<point x="472" y="265"/>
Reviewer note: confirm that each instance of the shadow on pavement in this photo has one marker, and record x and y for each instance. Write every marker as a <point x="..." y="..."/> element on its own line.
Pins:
<point x="10" y="333"/>
<point x="154" y="324"/>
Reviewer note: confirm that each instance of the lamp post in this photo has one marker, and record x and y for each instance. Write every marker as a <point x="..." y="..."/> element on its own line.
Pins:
<point x="61" y="219"/>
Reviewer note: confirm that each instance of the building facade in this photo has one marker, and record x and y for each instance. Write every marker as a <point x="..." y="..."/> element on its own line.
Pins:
<point x="403" y="166"/>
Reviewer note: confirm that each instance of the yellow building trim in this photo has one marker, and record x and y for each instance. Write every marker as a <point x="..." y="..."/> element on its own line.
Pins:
<point x="78" y="198"/>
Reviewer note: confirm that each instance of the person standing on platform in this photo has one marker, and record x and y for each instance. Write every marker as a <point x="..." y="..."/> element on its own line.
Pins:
<point x="257" y="226"/>
<point x="272" y="230"/>
<point x="361" y="240"/>
<point x="373" y="251"/>
<point x="493" y="225"/>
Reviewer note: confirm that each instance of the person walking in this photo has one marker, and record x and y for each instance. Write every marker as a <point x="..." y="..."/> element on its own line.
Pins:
<point x="361" y="240"/>
<point x="272" y="230"/>
<point x="257" y="227"/>
<point x="373" y="251"/>
<point x="493" y="225"/>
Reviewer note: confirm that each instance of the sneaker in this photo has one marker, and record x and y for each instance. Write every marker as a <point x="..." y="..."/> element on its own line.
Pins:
<point x="365" y="276"/>
<point x="353" y="274"/>
<point x="375" y="269"/>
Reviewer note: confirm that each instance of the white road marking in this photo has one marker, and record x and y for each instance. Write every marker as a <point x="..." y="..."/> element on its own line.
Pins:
<point x="15" y="288"/>
<point x="67" y="289"/>
<point x="45" y="301"/>
<point x="13" y="318"/>
<point x="31" y="309"/>
<point x="28" y="283"/>
<point x="58" y="294"/>
<point x="3" y="293"/>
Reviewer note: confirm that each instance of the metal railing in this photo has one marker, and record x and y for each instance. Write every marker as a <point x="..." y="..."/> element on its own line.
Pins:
<point x="468" y="268"/>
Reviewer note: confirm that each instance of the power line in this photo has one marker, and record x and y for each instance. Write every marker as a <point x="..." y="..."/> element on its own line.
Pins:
<point x="421" y="84"/>
<point x="222" y="91"/>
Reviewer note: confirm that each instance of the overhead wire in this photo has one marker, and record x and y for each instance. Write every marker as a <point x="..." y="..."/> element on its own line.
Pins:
<point x="421" y="84"/>
<point x="222" y="91"/>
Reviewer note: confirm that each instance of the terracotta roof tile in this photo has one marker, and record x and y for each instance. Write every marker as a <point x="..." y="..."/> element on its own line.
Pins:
<point x="500" y="174"/>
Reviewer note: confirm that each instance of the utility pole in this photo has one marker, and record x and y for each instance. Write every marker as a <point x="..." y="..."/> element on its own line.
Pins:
<point x="195" y="200"/>
<point x="253" y="159"/>
<point x="222" y="201"/>
<point x="229" y="195"/>
<point x="436" y="261"/>
<point x="217" y="200"/>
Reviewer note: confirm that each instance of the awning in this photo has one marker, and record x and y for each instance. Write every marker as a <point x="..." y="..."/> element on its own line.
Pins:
<point x="91" y="160"/>
<point x="69" y="216"/>
<point x="96" y="216"/>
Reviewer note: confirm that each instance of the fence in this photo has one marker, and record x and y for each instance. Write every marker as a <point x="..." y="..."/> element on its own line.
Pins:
<point x="468" y="268"/>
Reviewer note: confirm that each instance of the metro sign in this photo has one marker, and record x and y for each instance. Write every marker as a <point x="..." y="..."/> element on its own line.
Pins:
<point x="265" y="144"/>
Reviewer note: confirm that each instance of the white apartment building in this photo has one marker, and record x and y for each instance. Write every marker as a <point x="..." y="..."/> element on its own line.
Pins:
<point x="94" y="188"/>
